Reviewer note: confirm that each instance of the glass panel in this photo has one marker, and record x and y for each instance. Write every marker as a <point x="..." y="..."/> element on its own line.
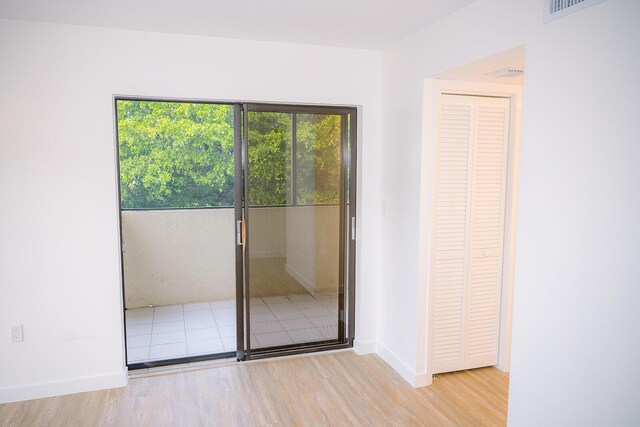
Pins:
<point x="175" y="155"/>
<point x="178" y="264"/>
<point x="294" y="250"/>
<point x="270" y="159"/>
<point x="318" y="159"/>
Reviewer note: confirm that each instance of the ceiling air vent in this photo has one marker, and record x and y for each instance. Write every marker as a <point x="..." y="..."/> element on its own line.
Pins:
<point x="554" y="9"/>
<point x="507" y="72"/>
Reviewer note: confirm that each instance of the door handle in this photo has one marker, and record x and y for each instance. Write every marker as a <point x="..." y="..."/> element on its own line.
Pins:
<point x="353" y="228"/>
<point x="241" y="233"/>
<point x="244" y="233"/>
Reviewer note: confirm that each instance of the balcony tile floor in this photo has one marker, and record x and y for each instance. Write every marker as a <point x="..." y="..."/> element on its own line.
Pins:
<point x="169" y="332"/>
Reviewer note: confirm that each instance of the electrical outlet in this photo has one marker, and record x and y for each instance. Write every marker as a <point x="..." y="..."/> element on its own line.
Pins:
<point x="16" y="333"/>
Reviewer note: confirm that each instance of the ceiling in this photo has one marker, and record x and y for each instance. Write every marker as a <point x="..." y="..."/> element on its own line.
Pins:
<point x="480" y="70"/>
<point x="370" y="24"/>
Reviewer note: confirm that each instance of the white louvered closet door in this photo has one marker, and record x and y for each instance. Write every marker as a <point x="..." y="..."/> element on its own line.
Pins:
<point x="470" y="186"/>
<point x="451" y="238"/>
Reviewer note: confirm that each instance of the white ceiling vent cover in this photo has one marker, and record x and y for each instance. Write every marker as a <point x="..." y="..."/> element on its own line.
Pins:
<point x="554" y="9"/>
<point x="506" y="72"/>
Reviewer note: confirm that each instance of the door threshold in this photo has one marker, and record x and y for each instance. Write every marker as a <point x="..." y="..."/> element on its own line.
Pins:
<point x="182" y="367"/>
<point x="295" y="350"/>
<point x="273" y="357"/>
<point x="220" y="363"/>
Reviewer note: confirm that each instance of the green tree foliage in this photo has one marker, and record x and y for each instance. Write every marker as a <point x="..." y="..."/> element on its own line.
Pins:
<point x="318" y="159"/>
<point x="175" y="154"/>
<point x="181" y="155"/>
<point x="269" y="158"/>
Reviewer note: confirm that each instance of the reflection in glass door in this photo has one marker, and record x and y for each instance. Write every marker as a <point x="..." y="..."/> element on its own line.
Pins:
<point x="296" y="211"/>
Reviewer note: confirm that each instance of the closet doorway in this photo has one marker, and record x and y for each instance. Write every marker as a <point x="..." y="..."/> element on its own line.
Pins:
<point x="473" y="146"/>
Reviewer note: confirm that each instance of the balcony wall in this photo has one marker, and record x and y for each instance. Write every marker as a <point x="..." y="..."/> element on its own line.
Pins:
<point x="178" y="256"/>
<point x="185" y="256"/>
<point x="312" y="251"/>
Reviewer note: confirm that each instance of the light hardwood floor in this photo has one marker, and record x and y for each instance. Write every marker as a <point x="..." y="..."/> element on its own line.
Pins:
<point x="339" y="388"/>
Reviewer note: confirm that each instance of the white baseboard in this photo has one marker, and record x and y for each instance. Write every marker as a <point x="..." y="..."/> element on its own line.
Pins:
<point x="59" y="388"/>
<point x="304" y="282"/>
<point x="414" y="378"/>
<point x="503" y="367"/>
<point x="422" y="380"/>
<point x="364" y="347"/>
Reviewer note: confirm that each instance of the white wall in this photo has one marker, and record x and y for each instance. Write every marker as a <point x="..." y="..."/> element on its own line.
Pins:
<point x="59" y="256"/>
<point x="576" y="341"/>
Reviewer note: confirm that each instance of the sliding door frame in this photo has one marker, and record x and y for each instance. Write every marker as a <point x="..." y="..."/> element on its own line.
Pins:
<point x="238" y="166"/>
<point x="241" y="206"/>
<point x="163" y="362"/>
<point x="346" y="286"/>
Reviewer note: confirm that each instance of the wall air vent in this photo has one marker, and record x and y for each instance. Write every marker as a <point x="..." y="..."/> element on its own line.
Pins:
<point x="554" y="9"/>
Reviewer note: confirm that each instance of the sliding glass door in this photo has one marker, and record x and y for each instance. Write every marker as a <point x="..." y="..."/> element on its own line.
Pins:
<point x="177" y="183"/>
<point x="297" y="165"/>
<point x="199" y="179"/>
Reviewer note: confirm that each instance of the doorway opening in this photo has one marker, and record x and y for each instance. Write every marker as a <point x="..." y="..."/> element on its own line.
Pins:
<point x="468" y="214"/>
<point x="236" y="226"/>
